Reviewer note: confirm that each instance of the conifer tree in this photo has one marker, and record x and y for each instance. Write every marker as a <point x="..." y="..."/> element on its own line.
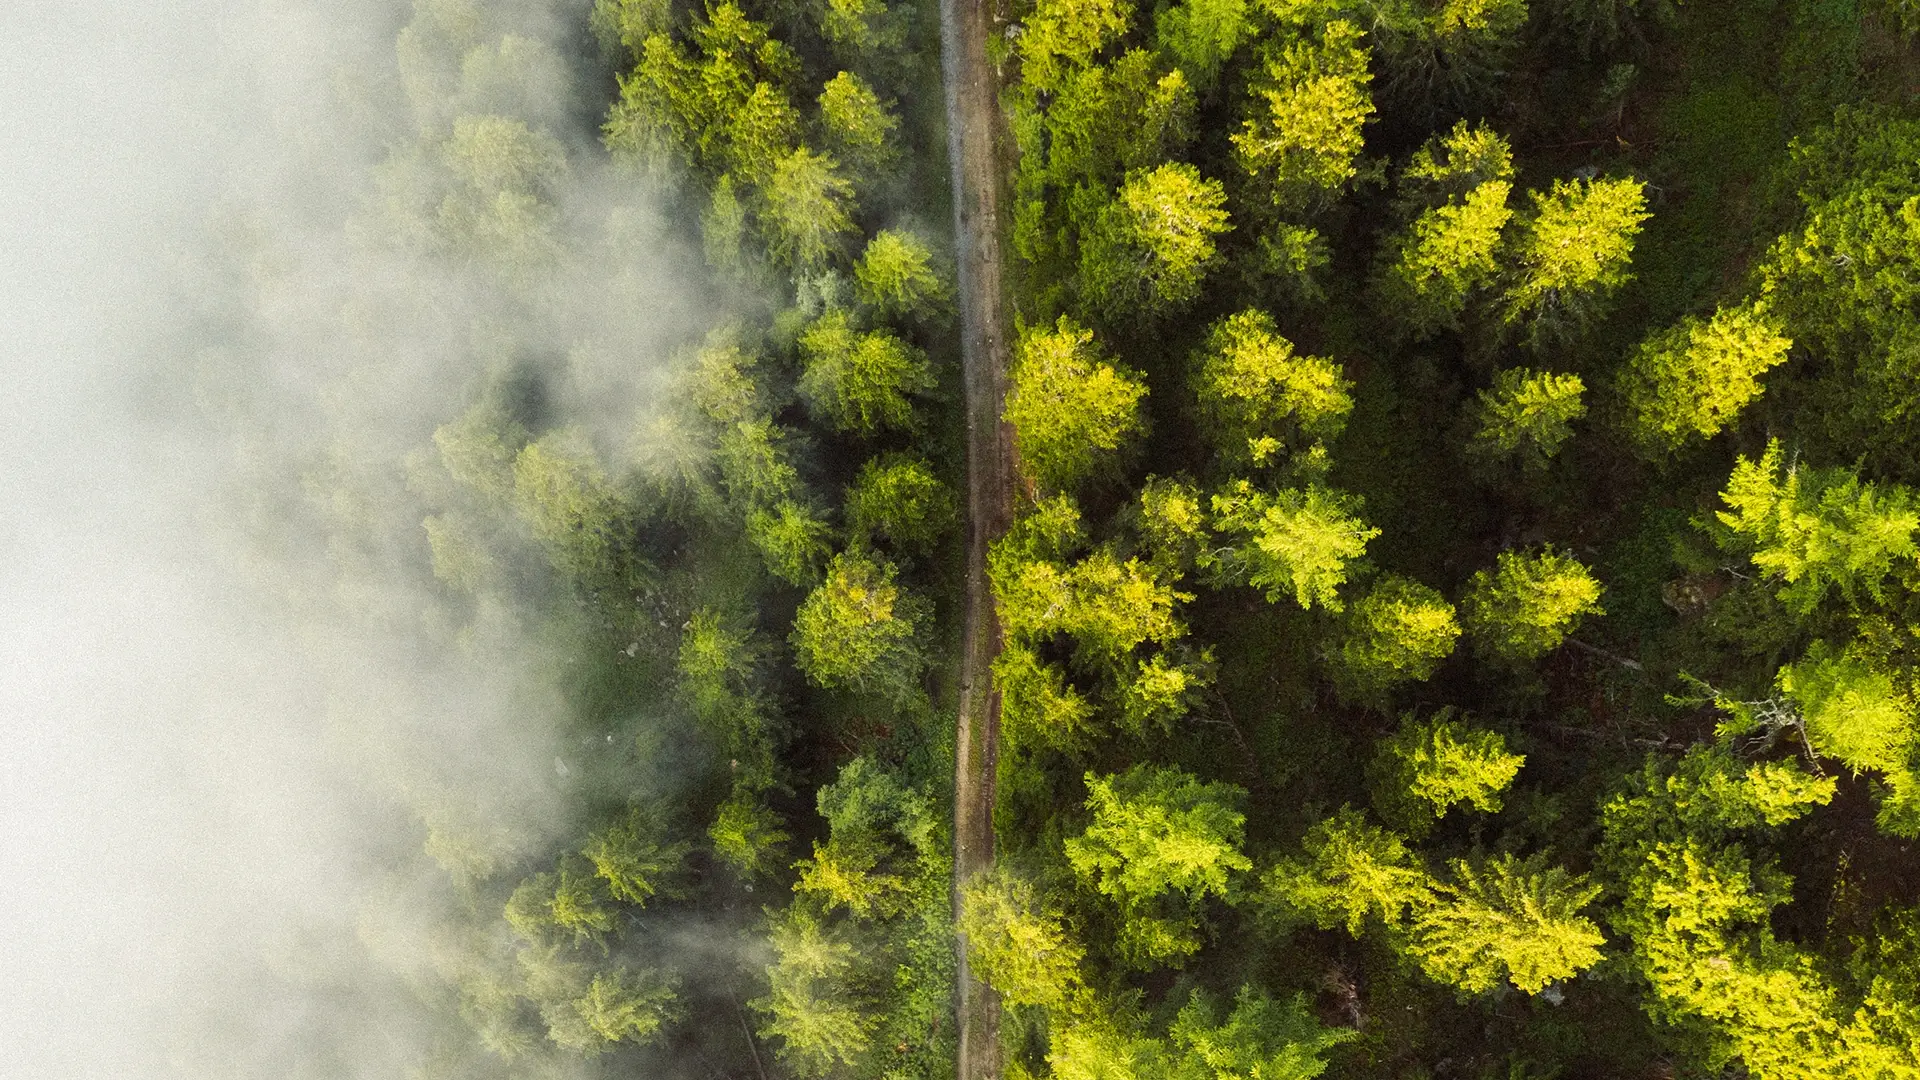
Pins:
<point x="1299" y="542"/>
<point x="1260" y="1039"/>
<point x="1150" y="248"/>
<point x="1018" y="944"/>
<point x="1398" y="632"/>
<point x="1159" y="834"/>
<point x="1443" y="260"/>
<point x="1814" y="529"/>
<point x="1070" y="410"/>
<point x="858" y="381"/>
<point x="1303" y="139"/>
<point x="1508" y="920"/>
<point x="1527" y="415"/>
<point x="1572" y="254"/>
<point x="1526" y="605"/>
<point x="895" y="276"/>
<point x="897" y="498"/>
<point x="1429" y="766"/>
<point x="1354" y="873"/>
<point x="858" y="628"/>
<point x="1691" y="380"/>
<point x="1259" y="398"/>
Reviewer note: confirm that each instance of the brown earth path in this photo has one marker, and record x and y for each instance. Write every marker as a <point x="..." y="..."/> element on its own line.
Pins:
<point x="974" y="140"/>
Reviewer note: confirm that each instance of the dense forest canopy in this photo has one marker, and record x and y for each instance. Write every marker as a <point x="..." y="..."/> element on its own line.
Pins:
<point x="1462" y="616"/>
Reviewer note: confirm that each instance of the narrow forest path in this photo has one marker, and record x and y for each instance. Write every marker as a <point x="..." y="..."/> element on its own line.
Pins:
<point x="973" y="145"/>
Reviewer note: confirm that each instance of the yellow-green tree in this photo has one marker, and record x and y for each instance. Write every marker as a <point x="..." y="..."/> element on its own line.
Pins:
<point x="1526" y="415"/>
<point x="1527" y="604"/>
<point x="1303" y="138"/>
<point x="1070" y="410"/>
<point x="1151" y="247"/>
<point x="1689" y="381"/>
<point x="1258" y="397"/>
<point x="860" y="381"/>
<point x="1574" y="251"/>
<point x="1299" y="542"/>
<point x="857" y="629"/>
<point x="1398" y="632"/>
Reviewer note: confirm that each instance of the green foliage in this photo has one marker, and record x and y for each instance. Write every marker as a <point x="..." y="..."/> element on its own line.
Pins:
<point x="1695" y="908"/>
<point x="1526" y="605"/>
<point x="1017" y="943"/>
<point x="895" y="276"/>
<point x="1172" y="525"/>
<point x="1353" y="871"/>
<point x="629" y="857"/>
<point x="1069" y="409"/>
<point x="1303" y="140"/>
<point x="792" y="539"/>
<point x="1103" y="1048"/>
<point x="859" y="382"/>
<point x="1446" y="257"/>
<point x="747" y="837"/>
<point x="1448" y="168"/>
<point x="1527" y="415"/>
<point x="1429" y="766"/>
<point x="1508" y="920"/>
<point x="1298" y="542"/>
<point x="1063" y="35"/>
<point x="857" y="629"/>
<point x="1691" y="380"/>
<point x="858" y="127"/>
<point x="724" y="108"/>
<point x="808" y="209"/>
<point x="1812" y="529"/>
<point x="1203" y="34"/>
<point x="501" y="204"/>
<point x="1261" y="1039"/>
<point x="1398" y="632"/>
<point x="1853" y="712"/>
<point x="1150" y="248"/>
<point x="574" y="512"/>
<point x="1038" y="706"/>
<point x="1573" y="253"/>
<point x="1258" y="397"/>
<point x="811" y="1004"/>
<point x="898" y="498"/>
<point x="1159" y="834"/>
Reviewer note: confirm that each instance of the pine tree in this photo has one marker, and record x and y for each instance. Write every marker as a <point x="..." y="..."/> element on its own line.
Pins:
<point x="1691" y="380"/>
<point x="1303" y="141"/>
<point x="1150" y="248"/>
<point x="1573" y="253"/>
<point x="1354" y="872"/>
<point x="1299" y="542"/>
<point x="1259" y="398"/>
<point x="1069" y="409"/>
<point x="860" y="382"/>
<point x="1812" y="529"/>
<point x="1527" y="415"/>
<point x="1398" y="632"/>
<point x="1429" y="766"/>
<point x="1158" y="833"/>
<point x="858" y="628"/>
<point x="1527" y="604"/>
<point x="1017" y="943"/>
<point x="1261" y="1039"/>
<point x="1508" y="920"/>
<point x="895" y="276"/>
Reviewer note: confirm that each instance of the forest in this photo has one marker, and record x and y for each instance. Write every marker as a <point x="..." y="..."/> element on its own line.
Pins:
<point x="1459" y="617"/>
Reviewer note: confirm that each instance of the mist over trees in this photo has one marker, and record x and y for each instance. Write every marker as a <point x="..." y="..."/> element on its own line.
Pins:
<point x="1458" y="620"/>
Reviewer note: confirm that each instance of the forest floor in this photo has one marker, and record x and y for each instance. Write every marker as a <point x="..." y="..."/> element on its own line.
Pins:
<point x="974" y="141"/>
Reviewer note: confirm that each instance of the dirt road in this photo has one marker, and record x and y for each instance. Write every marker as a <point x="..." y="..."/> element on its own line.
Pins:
<point x="974" y="140"/>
